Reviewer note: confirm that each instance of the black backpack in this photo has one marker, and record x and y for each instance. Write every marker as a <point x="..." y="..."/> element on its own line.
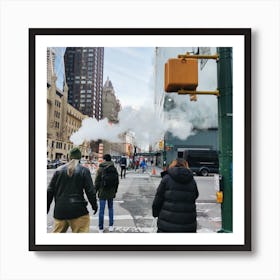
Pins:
<point x="109" y="177"/>
<point x="123" y="161"/>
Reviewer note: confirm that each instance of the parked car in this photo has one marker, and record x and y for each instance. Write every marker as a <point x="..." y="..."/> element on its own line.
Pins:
<point x="61" y="162"/>
<point x="51" y="164"/>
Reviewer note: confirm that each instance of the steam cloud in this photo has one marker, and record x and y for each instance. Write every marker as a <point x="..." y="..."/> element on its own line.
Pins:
<point x="202" y="114"/>
<point x="147" y="126"/>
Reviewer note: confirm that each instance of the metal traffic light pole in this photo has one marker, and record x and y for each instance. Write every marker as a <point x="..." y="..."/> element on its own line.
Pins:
<point x="224" y="95"/>
<point x="224" y="73"/>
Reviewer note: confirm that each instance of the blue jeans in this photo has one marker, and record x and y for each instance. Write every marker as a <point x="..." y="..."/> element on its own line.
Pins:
<point x="102" y="204"/>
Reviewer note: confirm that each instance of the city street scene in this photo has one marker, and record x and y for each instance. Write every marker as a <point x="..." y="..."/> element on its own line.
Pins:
<point x="133" y="204"/>
<point x="147" y="105"/>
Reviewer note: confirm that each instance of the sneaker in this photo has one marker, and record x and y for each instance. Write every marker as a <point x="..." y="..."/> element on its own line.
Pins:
<point x="111" y="228"/>
<point x="101" y="230"/>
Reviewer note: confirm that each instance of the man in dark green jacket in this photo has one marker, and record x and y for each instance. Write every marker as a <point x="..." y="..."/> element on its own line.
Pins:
<point x="106" y="192"/>
<point x="67" y="187"/>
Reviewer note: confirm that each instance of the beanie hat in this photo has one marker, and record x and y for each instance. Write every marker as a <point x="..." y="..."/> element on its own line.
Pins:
<point x="107" y="157"/>
<point x="75" y="153"/>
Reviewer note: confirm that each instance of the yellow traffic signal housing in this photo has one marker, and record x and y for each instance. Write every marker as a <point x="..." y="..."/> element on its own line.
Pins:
<point x="181" y="73"/>
<point x="161" y="144"/>
<point x="220" y="196"/>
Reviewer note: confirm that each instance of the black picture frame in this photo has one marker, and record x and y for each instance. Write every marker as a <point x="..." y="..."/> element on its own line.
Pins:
<point x="244" y="32"/>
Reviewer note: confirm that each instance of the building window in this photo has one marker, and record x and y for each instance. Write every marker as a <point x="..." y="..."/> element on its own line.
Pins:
<point x="59" y="145"/>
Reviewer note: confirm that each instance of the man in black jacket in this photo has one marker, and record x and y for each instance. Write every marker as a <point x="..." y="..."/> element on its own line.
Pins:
<point x="67" y="188"/>
<point x="106" y="193"/>
<point x="123" y="163"/>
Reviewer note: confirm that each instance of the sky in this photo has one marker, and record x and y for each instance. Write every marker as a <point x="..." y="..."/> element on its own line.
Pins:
<point x="131" y="73"/>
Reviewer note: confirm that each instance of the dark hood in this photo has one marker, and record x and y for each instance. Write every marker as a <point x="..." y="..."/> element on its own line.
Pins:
<point x="180" y="174"/>
<point x="106" y="163"/>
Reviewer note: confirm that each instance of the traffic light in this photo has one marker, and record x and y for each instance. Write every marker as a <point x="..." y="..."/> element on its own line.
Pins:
<point x="161" y="144"/>
<point x="181" y="73"/>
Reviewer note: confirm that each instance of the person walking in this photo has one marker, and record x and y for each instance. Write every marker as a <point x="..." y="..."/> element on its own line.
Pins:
<point x="67" y="188"/>
<point x="136" y="164"/>
<point x="174" y="202"/>
<point x="106" y="182"/>
<point x="123" y="164"/>
<point x="143" y="165"/>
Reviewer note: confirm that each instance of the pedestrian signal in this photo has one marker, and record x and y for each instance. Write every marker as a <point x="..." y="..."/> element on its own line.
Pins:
<point x="181" y="73"/>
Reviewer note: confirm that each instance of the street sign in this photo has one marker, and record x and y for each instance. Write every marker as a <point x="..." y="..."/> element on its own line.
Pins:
<point x="203" y="61"/>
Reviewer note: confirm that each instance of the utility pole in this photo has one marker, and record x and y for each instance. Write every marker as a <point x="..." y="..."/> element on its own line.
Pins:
<point x="224" y="73"/>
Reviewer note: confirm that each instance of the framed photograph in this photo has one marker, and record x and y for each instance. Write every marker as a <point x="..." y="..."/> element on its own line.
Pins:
<point x="166" y="100"/>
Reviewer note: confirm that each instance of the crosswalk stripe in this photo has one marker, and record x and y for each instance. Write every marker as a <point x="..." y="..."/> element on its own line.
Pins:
<point x="144" y="229"/>
<point x="124" y="217"/>
<point x="127" y="229"/>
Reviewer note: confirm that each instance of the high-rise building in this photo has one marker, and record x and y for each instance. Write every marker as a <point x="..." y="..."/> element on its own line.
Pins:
<point x="84" y="77"/>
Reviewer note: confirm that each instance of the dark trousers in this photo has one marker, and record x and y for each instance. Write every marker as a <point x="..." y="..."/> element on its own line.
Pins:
<point x="123" y="171"/>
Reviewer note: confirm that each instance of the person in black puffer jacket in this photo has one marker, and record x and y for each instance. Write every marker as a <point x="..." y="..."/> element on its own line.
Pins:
<point x="174" y="202"/>
<point x="67" y="188"/>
